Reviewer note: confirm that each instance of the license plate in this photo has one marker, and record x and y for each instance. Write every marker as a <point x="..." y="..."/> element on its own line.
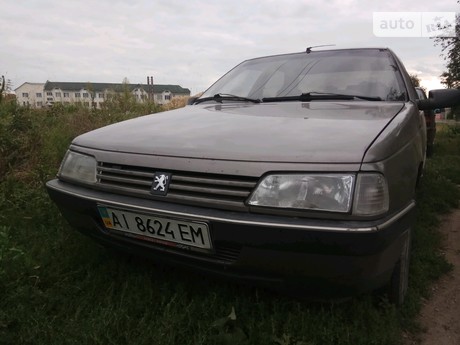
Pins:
<point x="167" y="231"/>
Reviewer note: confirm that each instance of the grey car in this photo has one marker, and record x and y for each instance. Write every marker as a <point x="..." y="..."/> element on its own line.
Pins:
<point x="430" y="121"/>
<point x="294" y="171"/>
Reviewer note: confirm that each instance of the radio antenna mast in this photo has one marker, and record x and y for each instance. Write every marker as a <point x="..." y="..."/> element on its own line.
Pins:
<point x="308" y="50"/>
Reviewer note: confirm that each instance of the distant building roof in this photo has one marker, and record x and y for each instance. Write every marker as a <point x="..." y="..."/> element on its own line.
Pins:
<point x="27" y="83"/>
<point x="100" y="87"/>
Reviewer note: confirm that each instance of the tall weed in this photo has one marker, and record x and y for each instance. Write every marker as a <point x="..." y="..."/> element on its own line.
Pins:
<point x="33" y="141"/>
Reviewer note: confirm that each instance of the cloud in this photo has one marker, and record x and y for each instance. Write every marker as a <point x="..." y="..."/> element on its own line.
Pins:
<point x="191" y="43"/>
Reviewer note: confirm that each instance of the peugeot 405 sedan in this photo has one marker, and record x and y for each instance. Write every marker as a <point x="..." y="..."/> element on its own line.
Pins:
<point x="294" y="171"/>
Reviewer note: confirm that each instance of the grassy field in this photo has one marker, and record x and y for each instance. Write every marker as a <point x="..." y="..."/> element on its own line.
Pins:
<point x="58" y="287"/>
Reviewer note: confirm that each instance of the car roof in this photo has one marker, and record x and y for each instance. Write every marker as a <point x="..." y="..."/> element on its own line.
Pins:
<point x="310" y="50"/>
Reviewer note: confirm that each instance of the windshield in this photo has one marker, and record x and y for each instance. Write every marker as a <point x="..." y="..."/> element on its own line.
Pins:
<point x="366" y="72"/>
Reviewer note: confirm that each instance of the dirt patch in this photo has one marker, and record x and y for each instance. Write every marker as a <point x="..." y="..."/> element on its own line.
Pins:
<point x="440" y="315"/>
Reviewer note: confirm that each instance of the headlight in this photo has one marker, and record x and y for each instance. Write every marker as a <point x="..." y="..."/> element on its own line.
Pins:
<point x="77" y="166"/>
<point x="322" y="192"/>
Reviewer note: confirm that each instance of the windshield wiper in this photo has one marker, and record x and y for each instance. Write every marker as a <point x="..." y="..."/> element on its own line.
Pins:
<point x="305" y="97"/>
<point x="219" y="97"/>
<point x="316" y="96"/>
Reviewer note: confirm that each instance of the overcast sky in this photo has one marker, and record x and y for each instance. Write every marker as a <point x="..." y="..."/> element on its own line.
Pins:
<point x="191" y="43"/>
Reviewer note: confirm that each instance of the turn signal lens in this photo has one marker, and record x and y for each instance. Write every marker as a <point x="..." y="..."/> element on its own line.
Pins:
<point x="371" y="195"/>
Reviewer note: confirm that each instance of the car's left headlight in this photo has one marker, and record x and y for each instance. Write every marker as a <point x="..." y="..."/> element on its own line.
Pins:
<point x="79" y="167"/>
<point x="320" y="192"/>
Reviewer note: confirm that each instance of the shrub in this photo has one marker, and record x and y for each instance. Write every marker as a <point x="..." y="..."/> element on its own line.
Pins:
<point x="33" y="141"/>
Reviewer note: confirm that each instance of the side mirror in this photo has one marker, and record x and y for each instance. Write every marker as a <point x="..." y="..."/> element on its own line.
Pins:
<point x="441" y="98"/>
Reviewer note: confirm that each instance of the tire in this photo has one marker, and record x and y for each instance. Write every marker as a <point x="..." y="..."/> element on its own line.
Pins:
<point x="399" y="283"/>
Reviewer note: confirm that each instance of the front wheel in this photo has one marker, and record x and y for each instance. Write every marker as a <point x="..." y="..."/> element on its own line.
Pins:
<point x="400" y="278"/>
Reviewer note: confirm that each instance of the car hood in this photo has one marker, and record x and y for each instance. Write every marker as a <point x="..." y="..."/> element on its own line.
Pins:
<point x="313" y="132"/>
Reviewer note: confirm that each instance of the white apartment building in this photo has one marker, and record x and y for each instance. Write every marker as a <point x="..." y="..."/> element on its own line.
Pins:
<point x="39" y="95"/>
<point x="30" y="94"/>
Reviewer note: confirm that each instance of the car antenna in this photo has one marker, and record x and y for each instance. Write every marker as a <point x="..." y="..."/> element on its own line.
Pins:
<point x="308" y="51"/>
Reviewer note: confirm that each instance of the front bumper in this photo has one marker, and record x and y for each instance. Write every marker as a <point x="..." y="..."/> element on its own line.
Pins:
<point x="322" y="257"/>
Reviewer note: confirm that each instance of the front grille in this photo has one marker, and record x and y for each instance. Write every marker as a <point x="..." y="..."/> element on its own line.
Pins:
<point x="201" y="189"/>
<point x="228" y="253"/>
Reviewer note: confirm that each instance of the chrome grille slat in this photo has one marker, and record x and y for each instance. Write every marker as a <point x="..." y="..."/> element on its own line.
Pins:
<point x="125" y="172"/>
<point x="125" y="180"/>
<point x="200" y="189"/>
<point x="218" y="203"/>
<point x="208" y="190"/>
<point x="230" y="183"/>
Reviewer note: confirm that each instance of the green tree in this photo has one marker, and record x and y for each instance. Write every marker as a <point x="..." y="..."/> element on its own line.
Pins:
<point x="92" y="94"/>
<point x="121" y="98"/>
<point x="2" y="87"/>
<point x="451" y="51"/>
<point x="415" y="80"/>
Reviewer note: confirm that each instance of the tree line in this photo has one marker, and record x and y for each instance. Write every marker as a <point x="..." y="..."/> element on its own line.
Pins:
<point x="451" y="51"/>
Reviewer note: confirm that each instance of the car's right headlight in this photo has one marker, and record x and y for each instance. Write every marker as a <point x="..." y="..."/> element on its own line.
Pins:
<point x="364" y="194"/>
<point x="78" y="167"/>
<point x="321" y="192"/>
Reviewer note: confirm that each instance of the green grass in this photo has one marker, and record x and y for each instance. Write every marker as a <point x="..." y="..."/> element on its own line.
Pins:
<point x="59" y="287"/>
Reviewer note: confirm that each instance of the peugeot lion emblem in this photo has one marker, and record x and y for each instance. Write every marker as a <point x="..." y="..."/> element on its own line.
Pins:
<point x="160" y="183"/>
